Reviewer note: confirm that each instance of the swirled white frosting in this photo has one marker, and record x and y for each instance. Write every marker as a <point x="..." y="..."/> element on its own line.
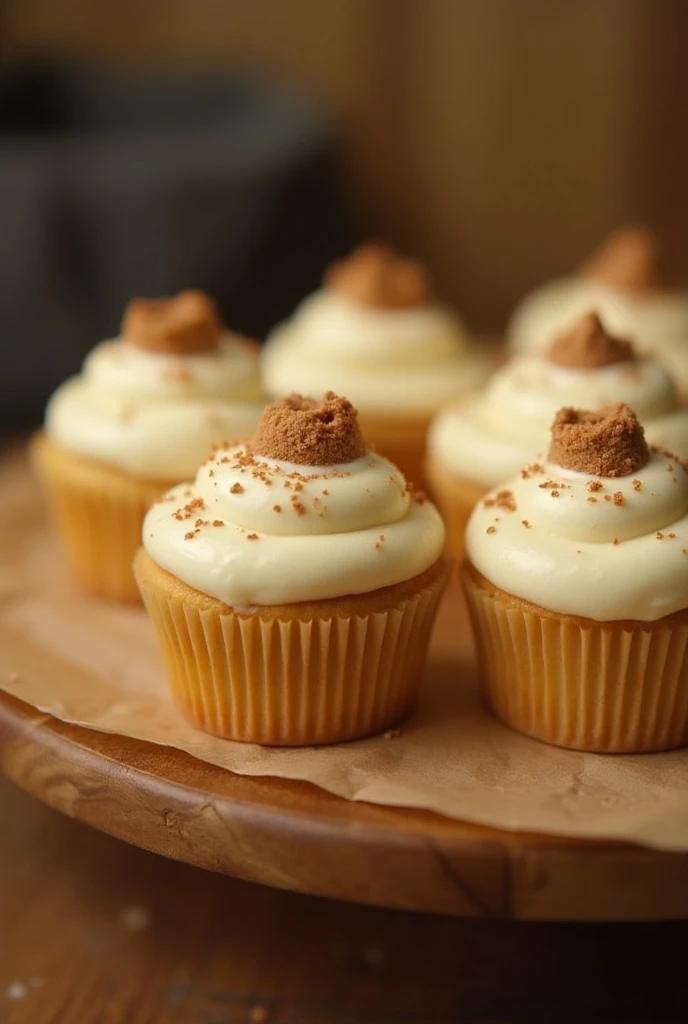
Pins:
<point x="156" y="414"/>
<point x="617" y="552"/>
<point x="263" y="532"/>
<point x="658" y="325"/>
<point x="489" y="437"/>
<point x="406" y="362"/>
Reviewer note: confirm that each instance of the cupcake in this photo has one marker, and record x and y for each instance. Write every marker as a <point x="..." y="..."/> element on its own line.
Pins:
<point x="577" y="584"/>
<point x="140" y="416"/>
<point x="293" y="585"/>
<point x="474" y="445"/>
<point x="375" y="332"/>
<point x="625" y="281"/>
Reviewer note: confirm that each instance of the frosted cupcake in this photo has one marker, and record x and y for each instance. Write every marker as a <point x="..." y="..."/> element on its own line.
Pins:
<point x="474" y="445"/>
<point x="375" y="332"/>
<point x="293" y="585"/>
<point x="140" y="416"/>
<point x="626" y="283"/>
<point x="577" y="583"/>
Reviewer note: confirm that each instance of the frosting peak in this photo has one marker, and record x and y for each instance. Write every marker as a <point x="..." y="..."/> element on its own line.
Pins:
<point x="588" y="346"/>
<point x="375" y="275"/>
<point x="630" y="261"/>
<point x="309" y="432"/>
<point x="185" y="324"/>
<point x="608" y="443"/>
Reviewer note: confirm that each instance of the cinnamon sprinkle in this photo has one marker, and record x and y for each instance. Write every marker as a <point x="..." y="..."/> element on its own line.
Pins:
<point x="503" y="500"/>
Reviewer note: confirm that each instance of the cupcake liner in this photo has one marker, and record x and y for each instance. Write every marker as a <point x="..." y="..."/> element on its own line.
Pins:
<point x="98" y="512"/>
<point x="455" y="498"/>
<point x="604" y="687"/>
<point x="267" y="678"/>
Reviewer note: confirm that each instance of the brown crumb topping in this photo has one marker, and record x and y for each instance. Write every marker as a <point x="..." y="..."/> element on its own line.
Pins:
<point x="185" y="324"/>
<point x="608" y="443"/>
<point x="375" y="275"/>
<point x="188" y="511"/>
<point x="503" y="500"/>
<point x="491" y="529"/>
<point x="309" y="432"/>
<point x="533" y="470"/>
<point x="630" y="261"/>
<point x="251" y="536"/>
<point x="588" y="346"/>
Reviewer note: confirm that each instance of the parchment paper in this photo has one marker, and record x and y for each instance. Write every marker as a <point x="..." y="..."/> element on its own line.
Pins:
<point x="96" y="664"/>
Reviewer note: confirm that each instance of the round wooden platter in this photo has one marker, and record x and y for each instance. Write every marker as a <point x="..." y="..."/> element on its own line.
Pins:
<point x="296" y="836"/>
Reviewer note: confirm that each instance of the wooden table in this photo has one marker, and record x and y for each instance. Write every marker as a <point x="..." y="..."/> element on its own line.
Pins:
<point x="93" y="931"/>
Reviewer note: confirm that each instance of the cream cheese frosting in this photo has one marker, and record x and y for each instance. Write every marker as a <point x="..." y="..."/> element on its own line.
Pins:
<point x="393" y="361"/>
<point x="580" y="544"/>
<point x="156" y="413"/>
<point x="490" y="436"/>
<point x="252" y="530"/>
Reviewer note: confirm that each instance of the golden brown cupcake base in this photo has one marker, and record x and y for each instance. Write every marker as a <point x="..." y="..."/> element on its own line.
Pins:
<point x="298" y="674"/>
<point x="614" y="687"/>
<point x="98" y="511"/>
<point x="455" y="498"/>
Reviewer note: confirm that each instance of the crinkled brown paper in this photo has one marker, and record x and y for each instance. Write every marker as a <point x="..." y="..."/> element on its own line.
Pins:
<point x="97" y="665"/>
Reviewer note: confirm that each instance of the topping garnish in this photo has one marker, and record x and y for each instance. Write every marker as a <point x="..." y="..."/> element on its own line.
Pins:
<point x="588" y="346"/>
<point x="186" y="324"/>
<point x="374" y="275"/>
<point x="608" y="443"/>
<point x="308" y="432"/>
<point x="629" y="261"/>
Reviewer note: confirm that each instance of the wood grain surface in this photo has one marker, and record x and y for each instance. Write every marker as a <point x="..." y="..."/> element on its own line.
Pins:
<point x="295" y="836"/>
<point x="93" y="931"/>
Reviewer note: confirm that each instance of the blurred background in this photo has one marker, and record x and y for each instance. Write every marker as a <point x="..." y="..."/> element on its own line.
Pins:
<point x="238" y="145"/>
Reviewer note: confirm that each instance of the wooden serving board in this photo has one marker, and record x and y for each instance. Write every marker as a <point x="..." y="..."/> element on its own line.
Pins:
<point x="295" y="836"/>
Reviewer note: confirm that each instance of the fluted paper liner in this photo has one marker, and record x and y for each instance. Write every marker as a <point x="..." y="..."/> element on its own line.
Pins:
<point x="97" y="664"/>
<point x="98" y="514"/>
<point x="293" y="682"/>
<point x="606" y="687"/>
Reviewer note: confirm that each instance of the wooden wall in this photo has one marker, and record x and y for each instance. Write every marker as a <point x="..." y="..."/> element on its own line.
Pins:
<point x="499" y="139"/>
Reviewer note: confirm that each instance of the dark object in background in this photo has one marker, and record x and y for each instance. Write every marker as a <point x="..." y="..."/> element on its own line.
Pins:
<point x="116" y="184"/>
